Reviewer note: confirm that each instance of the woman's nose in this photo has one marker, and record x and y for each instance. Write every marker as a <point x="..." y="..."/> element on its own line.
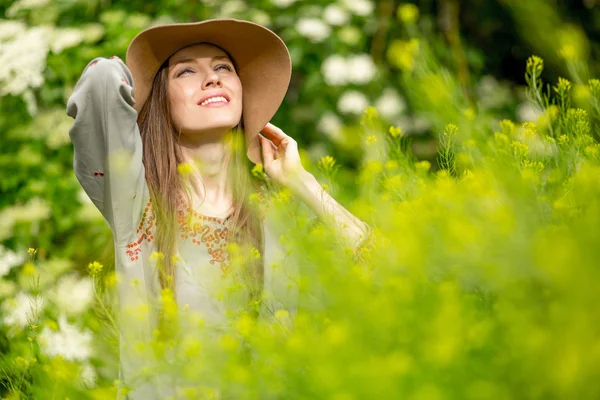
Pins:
<point x="212" y="79"/>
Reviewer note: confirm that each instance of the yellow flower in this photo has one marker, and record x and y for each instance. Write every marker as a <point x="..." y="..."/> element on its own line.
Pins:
<point x="258" y="170"/>
<point x="530" y="129"/>
<point x="402" y="53"/>
<point x="535" y="63"/>
<point x="469" y="113"/>
<point x="519" y="149"/>
<point x="110" y="280"/>
<point x="157" y="256"/>
<point x="94" y="268"/>
<point x="369" y="114"/>
<point x="281" y="314"/>
<point x="391" y="165"/>
<point x="254" y="253"/>
<point x="563" y="139"/>
<point x="423" y="166"/>
<point x="396" y="131"/>
<point x="31" y="251"/>
<point x="507" y="127"/>
<point x="185" y="169"/>
<point x="29" y="269"/>
<point x="408" y="14"/>
<point x="326" y="163"/>
<point x="244" y="325"/>
<point x="563" y="86"/>
<point x="371" y="139"/>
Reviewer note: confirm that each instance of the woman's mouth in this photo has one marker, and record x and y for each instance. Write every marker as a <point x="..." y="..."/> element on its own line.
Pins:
<point x="216" y="101"/>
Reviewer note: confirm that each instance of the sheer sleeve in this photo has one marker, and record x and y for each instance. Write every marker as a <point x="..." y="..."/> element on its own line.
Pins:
<point x="108" y="165"/>
<point x="108" y="146"/>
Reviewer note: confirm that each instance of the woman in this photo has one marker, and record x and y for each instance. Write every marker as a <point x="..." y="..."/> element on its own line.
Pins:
<point x="162" y="147"/>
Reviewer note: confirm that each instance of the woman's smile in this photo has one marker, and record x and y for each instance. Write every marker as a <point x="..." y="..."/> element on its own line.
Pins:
<point x="214" y="100"/>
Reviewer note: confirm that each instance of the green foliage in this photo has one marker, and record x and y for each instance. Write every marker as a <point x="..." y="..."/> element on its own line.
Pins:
<point x="477" y="281"/>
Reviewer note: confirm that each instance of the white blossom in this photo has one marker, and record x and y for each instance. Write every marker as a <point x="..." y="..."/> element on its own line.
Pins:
<point x="491" y="93"/>
<point x="22" y="309"/>
<point x="22" y="57"/>
<point x="331" y="125"/>
<point x="36" y="209"/>
<point x="260" y="17"/>
<point x="390" y="104"/>
<point x="338" y="71"/>
<point x="74" y="295"/>
<point x="352" y="102"/>
<point x="335" y="70"/>
<point x="63" y="38"/>
<point x="527" y="112"/>
<point x="283" y="3"/>
<point x="313" y="29"/>
<point x="88" y="375"/>
<point x="11" y="29"/>
<point x="231" y="8"/>
<point x="25" y="5"/>
<point x="361" y="69"/>
<point x="8" y="260"/>
<point x="68" y="342"/>
<point x="335" y="15"/>
<point x="7" y="288"/>
<point x="359" y="7"/>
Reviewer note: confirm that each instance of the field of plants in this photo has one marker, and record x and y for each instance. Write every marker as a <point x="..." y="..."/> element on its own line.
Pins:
<point x="465" y="133"/>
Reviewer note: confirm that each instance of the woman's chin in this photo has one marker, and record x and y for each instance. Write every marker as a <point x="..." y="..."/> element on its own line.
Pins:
<point x="212" y="130"/>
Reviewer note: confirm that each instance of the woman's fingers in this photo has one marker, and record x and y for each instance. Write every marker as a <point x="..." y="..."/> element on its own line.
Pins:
<point x="267" y="149"/>
<point x="275" y="134"/>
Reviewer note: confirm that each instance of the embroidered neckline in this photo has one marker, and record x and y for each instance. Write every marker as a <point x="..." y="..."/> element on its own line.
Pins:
<point x="200" y="229"/>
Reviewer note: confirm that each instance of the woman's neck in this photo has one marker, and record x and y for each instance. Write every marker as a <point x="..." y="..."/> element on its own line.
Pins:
<point x="209" y="161"/>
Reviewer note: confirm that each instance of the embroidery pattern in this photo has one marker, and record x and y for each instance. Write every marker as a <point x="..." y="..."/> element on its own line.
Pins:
<point x="202" y="230"/>
<point x="146" y="229"/>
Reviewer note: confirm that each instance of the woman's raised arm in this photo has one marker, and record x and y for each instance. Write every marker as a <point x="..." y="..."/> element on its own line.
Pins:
<point x="108" y="146"/>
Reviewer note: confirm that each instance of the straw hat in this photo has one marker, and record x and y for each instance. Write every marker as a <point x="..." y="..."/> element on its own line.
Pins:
<point x="262" y="61"/>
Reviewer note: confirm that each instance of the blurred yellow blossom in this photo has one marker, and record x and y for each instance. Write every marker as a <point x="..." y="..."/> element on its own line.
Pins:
<point x="185" y="169"/>
<point x="371" y="139"/>
<point x="423" y="166"/>
<point x="402" y="53"/>
<point x="94" y="268"/>
<point x="408" y="13"/>
<point x="258" y="171"/>
<point x="326" y="163"/>
<point x="396" y="131"/>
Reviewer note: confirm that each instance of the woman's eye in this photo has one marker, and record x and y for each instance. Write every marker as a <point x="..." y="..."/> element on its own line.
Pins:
<point x="226" y="66"/>
<point x="184" y="70"/>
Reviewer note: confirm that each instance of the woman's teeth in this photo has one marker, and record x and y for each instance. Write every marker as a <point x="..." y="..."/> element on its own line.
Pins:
<point x="213" y="100"/>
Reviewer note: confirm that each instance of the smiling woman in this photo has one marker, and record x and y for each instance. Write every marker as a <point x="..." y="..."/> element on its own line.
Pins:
<point x="205" y="92"/>
<point x="163" y="147"/>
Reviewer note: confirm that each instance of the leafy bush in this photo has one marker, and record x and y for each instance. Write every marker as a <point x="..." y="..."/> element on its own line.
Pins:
<point x="477" y="281"/>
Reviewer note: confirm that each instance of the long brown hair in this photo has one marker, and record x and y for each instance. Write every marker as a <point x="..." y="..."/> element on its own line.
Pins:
<point x="161" y="158"/>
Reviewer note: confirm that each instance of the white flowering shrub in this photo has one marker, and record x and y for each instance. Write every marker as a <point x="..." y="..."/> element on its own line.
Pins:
<point x="482" y="192"/>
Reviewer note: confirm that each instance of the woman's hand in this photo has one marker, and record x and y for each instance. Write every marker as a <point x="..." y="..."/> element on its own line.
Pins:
<point x="281" y="160"/>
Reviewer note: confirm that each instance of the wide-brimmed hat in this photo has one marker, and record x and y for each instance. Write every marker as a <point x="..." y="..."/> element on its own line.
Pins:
<point x="261" y="58"/>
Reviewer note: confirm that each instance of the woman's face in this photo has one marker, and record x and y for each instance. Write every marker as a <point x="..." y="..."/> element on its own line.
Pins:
<point x="204" y="90"/>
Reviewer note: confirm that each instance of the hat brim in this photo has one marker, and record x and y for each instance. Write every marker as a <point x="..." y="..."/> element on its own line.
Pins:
<point x="261" y="57"/>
